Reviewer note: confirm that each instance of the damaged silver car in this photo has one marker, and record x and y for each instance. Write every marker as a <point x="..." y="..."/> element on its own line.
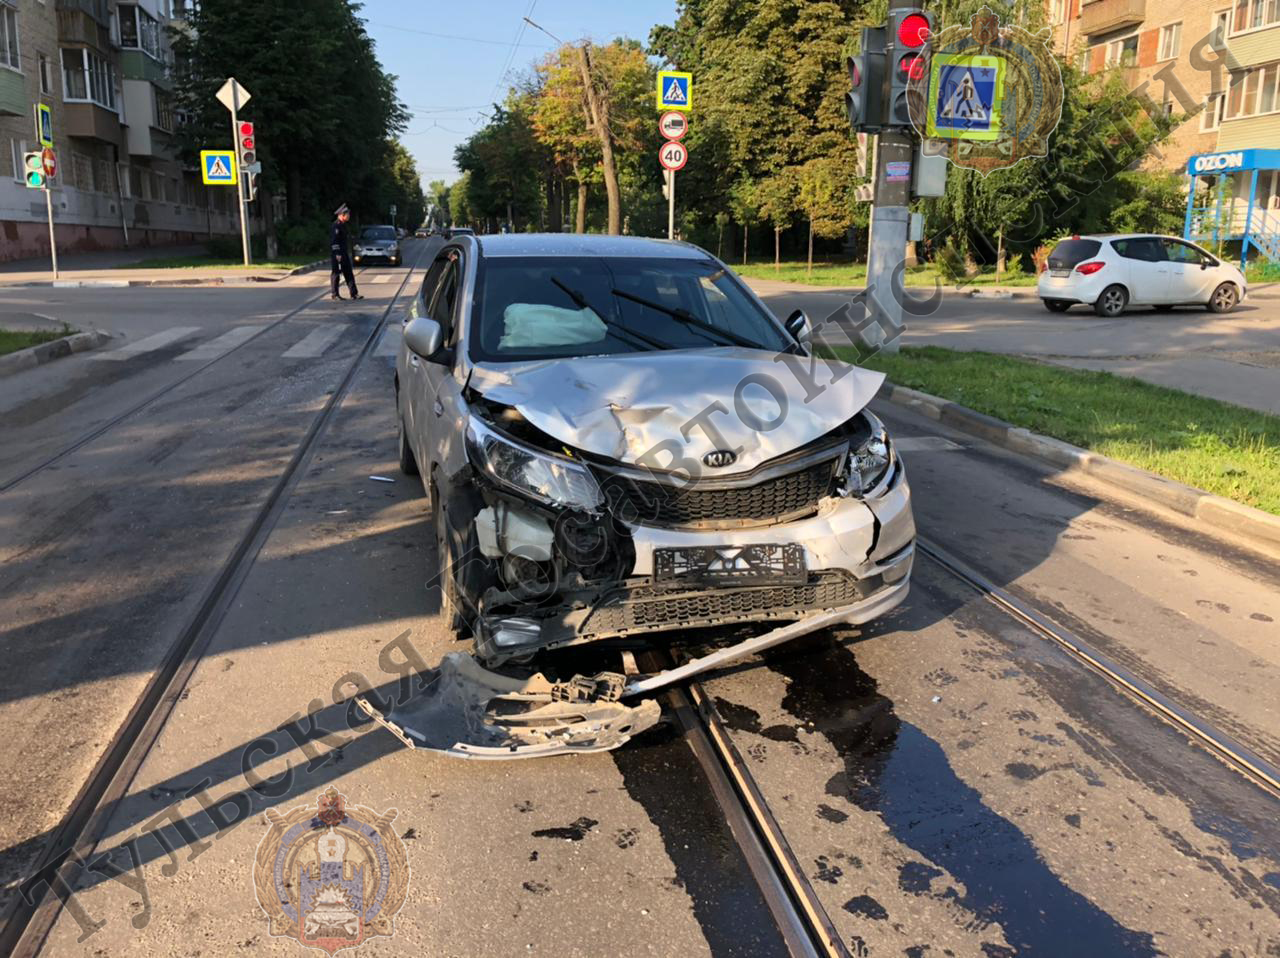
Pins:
<point x="618" y="438"/>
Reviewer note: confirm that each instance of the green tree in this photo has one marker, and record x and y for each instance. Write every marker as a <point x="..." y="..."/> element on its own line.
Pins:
<point x="504" y="159"/>
<point x="825" y="196"/>
<point x="777" y="195"/>
<point x="324" y="136"/>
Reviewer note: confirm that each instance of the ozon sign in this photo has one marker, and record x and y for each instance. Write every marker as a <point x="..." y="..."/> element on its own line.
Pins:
<point x="1216" y="162"/>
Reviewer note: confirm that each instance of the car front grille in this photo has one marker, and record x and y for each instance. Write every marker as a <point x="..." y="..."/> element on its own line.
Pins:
<point x="775" y="499"/>
<point x="652" y="609"/>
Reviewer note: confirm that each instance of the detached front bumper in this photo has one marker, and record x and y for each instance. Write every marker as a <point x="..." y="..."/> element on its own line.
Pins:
<point x="857" y="558"/>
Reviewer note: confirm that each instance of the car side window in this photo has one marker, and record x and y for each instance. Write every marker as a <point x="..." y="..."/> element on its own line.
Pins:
<point x="432" y="279"/>
<point x="1146" y="249"/>
<point x="1183" y="253"/>
<point x="443" y="301"/>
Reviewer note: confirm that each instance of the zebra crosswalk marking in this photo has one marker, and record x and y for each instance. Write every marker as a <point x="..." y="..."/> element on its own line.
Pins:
<point x="223" y="344"/>
<point x="146" y="344"/>
<point x="315" y="342"/>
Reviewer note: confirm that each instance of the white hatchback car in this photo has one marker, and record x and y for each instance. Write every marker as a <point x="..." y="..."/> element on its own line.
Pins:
<point x="1111" y="273"/>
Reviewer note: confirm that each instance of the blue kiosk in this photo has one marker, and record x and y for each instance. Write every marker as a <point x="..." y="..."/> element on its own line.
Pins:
<point x="1234" y="196"/>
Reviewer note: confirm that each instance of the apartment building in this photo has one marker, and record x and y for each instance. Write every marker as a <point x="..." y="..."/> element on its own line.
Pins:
<point x="104" y="69"/>
<point x="1217" y="62"/>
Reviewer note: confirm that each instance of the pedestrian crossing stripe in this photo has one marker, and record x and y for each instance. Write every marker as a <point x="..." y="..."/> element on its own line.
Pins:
<point x="218" y="167"/>
<point x="675" y="90"/>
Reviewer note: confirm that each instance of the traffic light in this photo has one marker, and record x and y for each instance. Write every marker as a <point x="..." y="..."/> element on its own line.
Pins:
<point x="866" y="82"/>
<point x="245" y="144"/>
<point x="33" y="169"/>
<point x="909" y="32"/>
<point x="250" y="186"/>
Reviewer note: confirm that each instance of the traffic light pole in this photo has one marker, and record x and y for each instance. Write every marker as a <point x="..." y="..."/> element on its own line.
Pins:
<point x="890" y="220"/>
<point x="53" y="245"/>
<point x="244" y="206"/>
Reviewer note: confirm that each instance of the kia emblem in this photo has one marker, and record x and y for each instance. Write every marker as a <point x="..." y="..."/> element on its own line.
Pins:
<point x="719" y="458"/>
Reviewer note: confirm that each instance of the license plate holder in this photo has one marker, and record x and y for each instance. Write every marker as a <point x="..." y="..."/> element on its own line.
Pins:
<point x="1060" y="273"/>
<point x="721" y="565"/>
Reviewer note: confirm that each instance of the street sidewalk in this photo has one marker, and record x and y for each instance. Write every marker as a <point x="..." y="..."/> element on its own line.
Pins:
<point x="115" y="268"/>
<point x="771" y="287"/>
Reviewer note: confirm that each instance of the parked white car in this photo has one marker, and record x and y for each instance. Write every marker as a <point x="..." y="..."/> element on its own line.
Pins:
<point x="1111" y="273"/>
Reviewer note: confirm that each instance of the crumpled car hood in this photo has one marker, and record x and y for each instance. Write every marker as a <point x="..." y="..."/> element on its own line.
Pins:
<point x="624" y="406"/>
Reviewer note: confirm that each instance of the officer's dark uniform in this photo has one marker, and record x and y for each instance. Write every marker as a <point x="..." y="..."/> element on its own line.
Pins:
<point x="340" y="254"/>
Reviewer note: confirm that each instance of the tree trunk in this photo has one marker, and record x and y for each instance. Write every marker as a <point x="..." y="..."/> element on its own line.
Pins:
<point x="1000" y="265"/>
<point x="720" y="244"/>
<point x="744" y="244"/>
<point x="777" y="247"/>
<point x="809" y="268"/>
<point x="266" y="203"/>
<point x="598" y="121"/>
<point x="294" y="190"/>
<point x="580" y="225"/>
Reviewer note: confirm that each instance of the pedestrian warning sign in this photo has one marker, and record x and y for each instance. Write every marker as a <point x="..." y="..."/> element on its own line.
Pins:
<point x="965" y="96"/>
<point x="675" y="90"/>
<point x="218" y="167"/>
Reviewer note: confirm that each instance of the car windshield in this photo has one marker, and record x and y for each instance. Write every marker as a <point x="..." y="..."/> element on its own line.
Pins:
<point x="373" y="233"/>
<point x="552" y="307"/>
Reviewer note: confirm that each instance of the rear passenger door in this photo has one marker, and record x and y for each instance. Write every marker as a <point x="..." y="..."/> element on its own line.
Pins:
<point x="1148" y="269"/>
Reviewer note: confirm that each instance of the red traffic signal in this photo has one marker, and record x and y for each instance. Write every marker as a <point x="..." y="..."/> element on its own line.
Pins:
<point x="912" y="67"/>
<point x="913" y="31"/>
<point x="247" y="154"/>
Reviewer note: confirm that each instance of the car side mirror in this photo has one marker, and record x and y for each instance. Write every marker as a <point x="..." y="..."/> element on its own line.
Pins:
<point x="797" y="325"/>
<point x="1204" y="264"/>
<point x="423" y="336"/>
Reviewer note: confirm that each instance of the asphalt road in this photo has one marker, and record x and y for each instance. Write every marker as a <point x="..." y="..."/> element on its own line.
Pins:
<point x="951" y="783"/>
<point x="1234" y="357"/>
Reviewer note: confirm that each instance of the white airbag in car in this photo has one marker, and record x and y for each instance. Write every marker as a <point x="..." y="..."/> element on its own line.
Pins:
<point x="533" y="325"/>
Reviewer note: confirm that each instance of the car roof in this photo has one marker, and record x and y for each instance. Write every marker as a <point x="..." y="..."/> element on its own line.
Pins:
<point x="585" y="244"/>
<point x="1118" y="236"/>
<point x="378" y="226"/>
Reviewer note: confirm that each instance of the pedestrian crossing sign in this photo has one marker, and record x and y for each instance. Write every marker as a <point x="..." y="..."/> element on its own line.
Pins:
<point x="966" y="93"/>
<point x="218" y="167"/>
<point x="675" y="90"/>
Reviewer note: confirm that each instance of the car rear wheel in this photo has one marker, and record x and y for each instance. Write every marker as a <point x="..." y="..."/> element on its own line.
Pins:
<point x="1056" y="305"/>
<point x="1112" y="301"/>
<point x="1224" y="298"/>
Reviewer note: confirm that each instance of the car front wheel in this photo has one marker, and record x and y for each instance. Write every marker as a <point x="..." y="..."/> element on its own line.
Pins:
<point x="408" y="462"/>
<point x="1112" y="301"/>
<point x="1056" y="305"/>
<point x="1224" y="298"/>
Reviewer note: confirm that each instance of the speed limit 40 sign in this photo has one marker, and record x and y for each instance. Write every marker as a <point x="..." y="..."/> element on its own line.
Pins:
<point x="673" y="156"/>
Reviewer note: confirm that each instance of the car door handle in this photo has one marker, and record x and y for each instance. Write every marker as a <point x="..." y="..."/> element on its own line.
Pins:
<point x="413" y="360"/>
<point x="438" y="408"/>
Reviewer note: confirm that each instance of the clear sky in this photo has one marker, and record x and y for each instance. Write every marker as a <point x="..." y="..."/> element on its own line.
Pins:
<point x="449" y="81"/>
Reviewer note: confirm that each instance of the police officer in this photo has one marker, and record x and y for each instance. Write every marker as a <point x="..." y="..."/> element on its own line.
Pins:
<point x="340" y="253"/>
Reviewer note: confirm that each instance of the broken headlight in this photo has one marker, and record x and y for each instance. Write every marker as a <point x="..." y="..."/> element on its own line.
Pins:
<point x="549" y="479"/>
<point x="869" y="461"/>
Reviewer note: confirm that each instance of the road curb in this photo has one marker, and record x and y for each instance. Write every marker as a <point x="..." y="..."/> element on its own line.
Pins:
<point x="1262" y="529"/>
<point x="186" y="281"/>
<point x="34" y="356"/>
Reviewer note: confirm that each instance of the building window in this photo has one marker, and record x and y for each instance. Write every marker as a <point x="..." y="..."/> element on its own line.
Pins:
<point x="1170" y="39"/>
<point x="164" y="109"/>
<point x="1211" y="118"/>
<point x="87" y="76"/>
<point x="1221" y="24"/>
<point x="139" y="30"/>
<point x="1253" y="92"/>
<point x="46" y="74"/>
<point x="1123" y="52"/>
<point x="9" y="53"/>
<point x="17" y="148"/>
<point x="1059" y="11"/>
<point x="1254" y="14"/>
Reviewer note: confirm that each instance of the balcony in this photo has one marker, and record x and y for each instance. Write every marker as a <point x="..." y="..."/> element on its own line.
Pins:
<point x="91" y="121"/>
<point x="1103" y="16"/>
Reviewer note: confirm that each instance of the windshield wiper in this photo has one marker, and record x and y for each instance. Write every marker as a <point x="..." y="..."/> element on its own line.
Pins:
<point x="581" y="302"/>
<point x="686" y="317"/>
